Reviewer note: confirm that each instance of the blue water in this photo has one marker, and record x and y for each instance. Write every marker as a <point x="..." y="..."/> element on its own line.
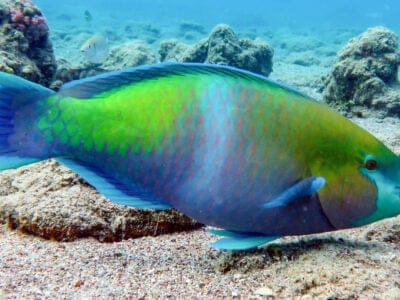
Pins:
<point x="297" y="30"/>
<point x="357" y="14"/>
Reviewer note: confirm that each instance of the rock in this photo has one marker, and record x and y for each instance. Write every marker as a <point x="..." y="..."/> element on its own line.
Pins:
<point x="172" y="50"/>
<point x="196" y="53"/>
<point x="66" y="72"/>
<point x="366" y="72"/>
<point x="129" y="55"/>
<point x="123" y="56"/>
<point x="222" y="47"/>
<point x="50" y="201"/>
<point x="25" y="49"/>
<point x="265" y="291"/>
<point x="256" y="56"/>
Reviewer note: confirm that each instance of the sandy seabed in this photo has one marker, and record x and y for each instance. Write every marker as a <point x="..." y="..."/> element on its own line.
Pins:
<point x="362" y="263"/>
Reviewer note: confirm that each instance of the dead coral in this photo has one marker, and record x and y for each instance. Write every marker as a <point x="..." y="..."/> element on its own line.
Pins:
<point x="366" y="72"/>
<point x="222" y="47"/>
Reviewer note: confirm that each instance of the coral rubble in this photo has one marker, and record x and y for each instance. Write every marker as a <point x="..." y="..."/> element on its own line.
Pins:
<point x="365" y="74"/>
<point x="25" y="49"/>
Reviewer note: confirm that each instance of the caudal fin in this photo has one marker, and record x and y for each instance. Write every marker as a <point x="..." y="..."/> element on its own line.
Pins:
<point x="19" y="101"/>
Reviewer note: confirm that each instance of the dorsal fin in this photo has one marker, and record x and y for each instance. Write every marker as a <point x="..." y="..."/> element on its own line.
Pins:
<point x="92" y="86"/>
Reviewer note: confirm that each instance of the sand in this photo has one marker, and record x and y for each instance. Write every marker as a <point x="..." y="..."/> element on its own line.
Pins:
<point x="362" y="263"/>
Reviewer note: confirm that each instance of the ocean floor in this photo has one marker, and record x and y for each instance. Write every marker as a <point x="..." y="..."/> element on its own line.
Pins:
<point x="359" y="263"/>
<point x="352" y="264"/>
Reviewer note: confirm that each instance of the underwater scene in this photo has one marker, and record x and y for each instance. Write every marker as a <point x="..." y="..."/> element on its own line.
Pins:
<point x="199" y="149"/>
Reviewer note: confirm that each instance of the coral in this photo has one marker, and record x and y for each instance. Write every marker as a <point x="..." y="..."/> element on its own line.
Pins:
<point x="27" y="18"/>
<point x="365" y="72"/>
<point x="222" y="47"/>
<point x="25" y="49"/>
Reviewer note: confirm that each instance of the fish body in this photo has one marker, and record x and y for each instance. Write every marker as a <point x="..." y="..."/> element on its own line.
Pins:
<point x="95" y="49"/>
<point x="227" y="147"/>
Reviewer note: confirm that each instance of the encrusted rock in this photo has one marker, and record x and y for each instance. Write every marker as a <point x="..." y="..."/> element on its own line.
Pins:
<point x="128" y="55"/>
<point x="222" y="47"/>
<point x="366" y="72"/>
<point x="25" y="48"/>
<point x="50" y="201"/>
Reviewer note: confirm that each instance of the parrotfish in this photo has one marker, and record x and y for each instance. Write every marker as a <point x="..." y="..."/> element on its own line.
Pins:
<point x="229" y="148"/>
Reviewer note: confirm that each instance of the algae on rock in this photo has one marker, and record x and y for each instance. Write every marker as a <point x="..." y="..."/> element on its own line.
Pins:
<point x="222" y="47"/>
<point x="25" y="47"/>
<point x="365" y="73"/>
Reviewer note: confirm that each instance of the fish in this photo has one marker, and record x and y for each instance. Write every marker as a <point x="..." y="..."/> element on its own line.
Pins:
<point x="95" y="49"/>
<point x="87" y="16"/>
<point x="251" y="158"/>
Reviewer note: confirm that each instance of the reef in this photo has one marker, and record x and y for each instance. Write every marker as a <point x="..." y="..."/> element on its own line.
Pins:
<point x="223" y="47"/>
<point x="128" y="55"/>
<point x="25" y="49"/>
<point x="365" y="74"/>
<point x="50" y="201"/>
<point x="122" y="56"/>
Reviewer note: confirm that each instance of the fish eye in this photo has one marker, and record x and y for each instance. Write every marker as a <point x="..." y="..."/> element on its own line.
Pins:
<point x="371" y="164"/>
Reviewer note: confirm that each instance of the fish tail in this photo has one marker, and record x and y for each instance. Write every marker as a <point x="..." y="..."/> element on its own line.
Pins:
<point x="20" y="102"/>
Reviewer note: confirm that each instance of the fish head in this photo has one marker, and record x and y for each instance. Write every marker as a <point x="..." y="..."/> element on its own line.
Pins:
<point x="362" y="185"/>
<point x="384" y="173"/>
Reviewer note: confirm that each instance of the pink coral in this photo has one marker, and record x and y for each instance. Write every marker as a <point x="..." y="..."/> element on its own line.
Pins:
<point x="16" y="15"/>
<point x="25" y="17"/>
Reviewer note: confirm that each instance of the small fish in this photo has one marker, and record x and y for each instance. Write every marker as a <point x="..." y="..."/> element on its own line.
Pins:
<point x="95" y="49"/>
<point x="88" y="16"/>
<point x="227" y="147"/>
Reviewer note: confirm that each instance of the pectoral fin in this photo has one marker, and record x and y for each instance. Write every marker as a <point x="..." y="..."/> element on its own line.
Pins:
<point x="239" y="240"/>
<point x="301" y="189"/>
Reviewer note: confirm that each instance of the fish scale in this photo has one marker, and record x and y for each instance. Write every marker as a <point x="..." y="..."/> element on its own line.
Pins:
<point x="227" y="147"/>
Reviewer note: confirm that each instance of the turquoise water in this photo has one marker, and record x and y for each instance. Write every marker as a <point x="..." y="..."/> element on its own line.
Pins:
<point x="298" y="30"/>
<point x="333" y="22"/>
<point x="268" y="13"/>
